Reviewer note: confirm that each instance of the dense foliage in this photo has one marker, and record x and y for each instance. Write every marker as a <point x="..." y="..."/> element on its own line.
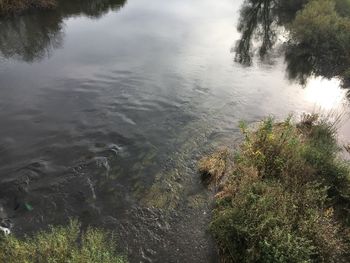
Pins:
<point x="287" y="197"/>
<point x="61" y="245"/>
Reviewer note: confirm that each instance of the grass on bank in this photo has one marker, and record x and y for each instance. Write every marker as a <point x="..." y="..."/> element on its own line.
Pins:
<point x="16" y="6"/>
<point x="287" y="197"/>
<point x="61" y="245"/>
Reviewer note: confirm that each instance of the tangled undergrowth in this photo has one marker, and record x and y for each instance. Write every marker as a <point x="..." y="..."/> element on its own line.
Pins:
<point x="287" y="197"/>
<point x="61" y="245"/>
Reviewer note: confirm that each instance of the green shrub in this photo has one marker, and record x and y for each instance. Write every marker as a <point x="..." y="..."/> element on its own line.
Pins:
<point x="61" y="245"/>
<point x="287" y="199"/>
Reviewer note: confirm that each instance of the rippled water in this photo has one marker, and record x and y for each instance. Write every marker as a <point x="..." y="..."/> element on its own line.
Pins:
<point x="105" y="106"/>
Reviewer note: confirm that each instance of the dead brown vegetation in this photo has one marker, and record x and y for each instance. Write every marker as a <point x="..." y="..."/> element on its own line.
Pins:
<point x="213" y="167"/>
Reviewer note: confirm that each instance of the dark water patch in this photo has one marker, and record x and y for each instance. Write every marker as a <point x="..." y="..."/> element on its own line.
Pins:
<point x="34" y="36"/>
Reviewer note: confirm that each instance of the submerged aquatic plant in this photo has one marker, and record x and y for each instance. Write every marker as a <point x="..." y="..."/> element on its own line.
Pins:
<point x="287" y="198"/>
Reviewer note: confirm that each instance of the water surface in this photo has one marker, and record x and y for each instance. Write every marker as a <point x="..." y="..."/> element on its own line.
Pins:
<point x="105" y="106"/>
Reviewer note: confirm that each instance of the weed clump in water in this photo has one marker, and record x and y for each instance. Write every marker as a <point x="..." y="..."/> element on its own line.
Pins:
<point x="214" y="166"/>
<point x="287" y="198"/>
<point x="61" y="244"/>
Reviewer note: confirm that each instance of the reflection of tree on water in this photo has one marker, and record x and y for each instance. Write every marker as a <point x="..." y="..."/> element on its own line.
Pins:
<point x="30" y="38"/>
<point x="318" y="35"/>
<point x="261" y="19"/>
<point x="33" y="36"/>
<point x="256" y="18"/>
<point x="90" y="8"/>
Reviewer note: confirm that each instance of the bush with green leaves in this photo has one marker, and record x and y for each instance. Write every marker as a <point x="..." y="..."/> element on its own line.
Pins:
<point x="287" y="198"/>
<point x="61" y="245"/>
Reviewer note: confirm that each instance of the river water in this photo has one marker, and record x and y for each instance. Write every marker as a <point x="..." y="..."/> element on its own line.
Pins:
<point x="105" y="107"/>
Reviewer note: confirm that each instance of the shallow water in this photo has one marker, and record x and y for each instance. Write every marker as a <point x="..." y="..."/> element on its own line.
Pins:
<point x="105" y="106"/>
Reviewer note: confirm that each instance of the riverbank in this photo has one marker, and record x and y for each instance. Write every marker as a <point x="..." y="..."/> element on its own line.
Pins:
<point x="10" y="7"/>
<point x="285" y="195"/>
<point x="61" y="244"/>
